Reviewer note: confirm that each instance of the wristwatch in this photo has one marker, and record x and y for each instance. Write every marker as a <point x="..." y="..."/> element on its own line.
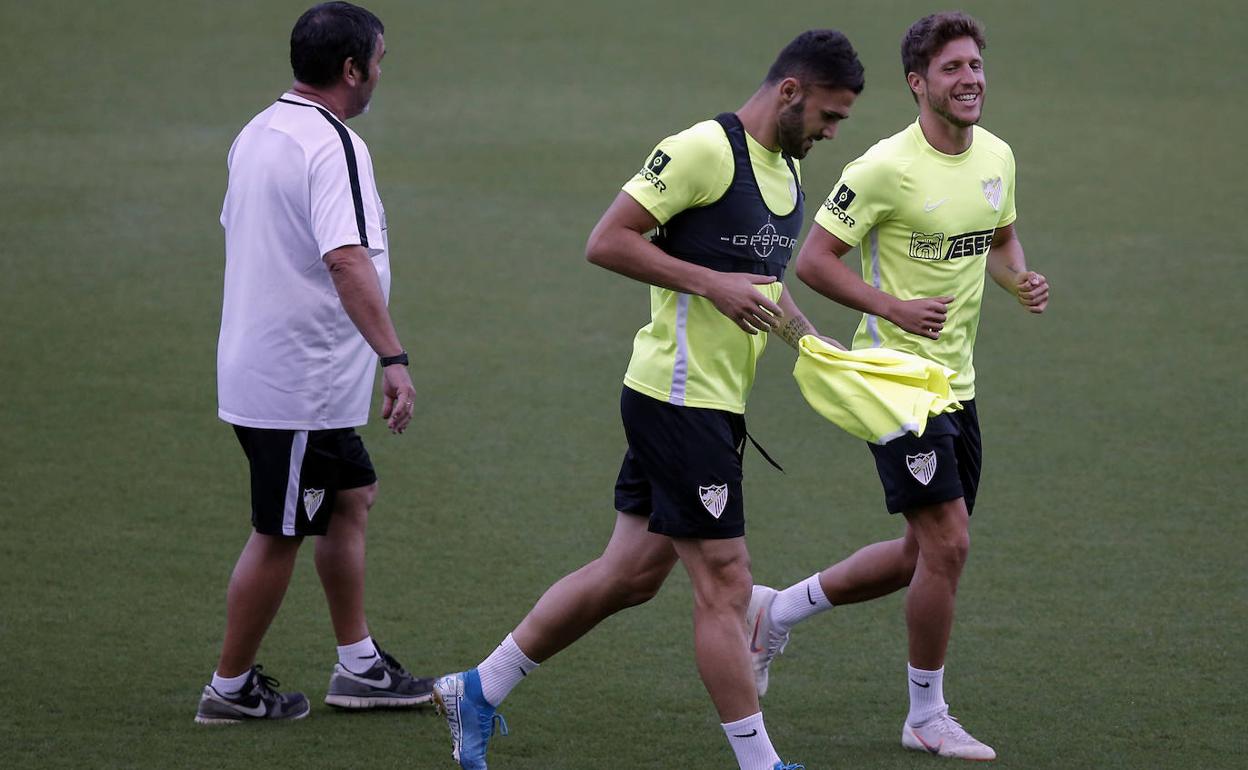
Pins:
<point x="401" y="358"/>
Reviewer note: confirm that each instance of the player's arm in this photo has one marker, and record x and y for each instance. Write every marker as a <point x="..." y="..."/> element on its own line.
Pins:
<point x="359" y="290"/>
<point x="1008" y="267"/>
<point x="792" y="325"/>
<point x="820" y="266"/>
<point x="618" y="243"/>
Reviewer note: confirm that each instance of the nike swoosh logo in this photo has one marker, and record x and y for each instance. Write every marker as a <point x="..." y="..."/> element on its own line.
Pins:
<point x="921" y="684"/>
<point x="809" y="598"/>
<point x="931" y="749"/>
<point x="522" y="673"/>
<point x="758" y="622"/>
<point x="382" y="683"/>
<point x="929" y="206"/>
<point x="370" y="655"/>
<point x="750" y="734"/>
<point x="251" y="711"/>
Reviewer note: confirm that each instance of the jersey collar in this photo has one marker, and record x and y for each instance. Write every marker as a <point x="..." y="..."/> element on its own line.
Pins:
<point x="291" y="96"/>
<point x="950" y="160"/>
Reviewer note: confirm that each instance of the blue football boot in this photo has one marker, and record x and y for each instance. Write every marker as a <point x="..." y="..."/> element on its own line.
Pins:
<point x="470" y="717"/>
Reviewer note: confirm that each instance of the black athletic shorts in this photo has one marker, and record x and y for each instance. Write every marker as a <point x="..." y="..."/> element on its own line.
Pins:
<point x="682" y="468"/>
<point x="296" y="475"/>
<point x="943" y="464"/>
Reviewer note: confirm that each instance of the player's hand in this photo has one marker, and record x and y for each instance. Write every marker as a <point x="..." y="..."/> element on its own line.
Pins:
<point x="924" y="317"/>
<point x="1033" y="291"/>
<point x="398" y="397"/>
<point x="734" y="295"/>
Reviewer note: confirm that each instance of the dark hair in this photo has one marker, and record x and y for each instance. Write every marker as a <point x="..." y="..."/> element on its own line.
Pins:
<point x="929" y="34"/>
<point x="819" y="57"/>
<point x="328" y="34"/>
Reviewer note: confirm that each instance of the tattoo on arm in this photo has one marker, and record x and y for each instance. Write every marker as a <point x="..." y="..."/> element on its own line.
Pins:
<point x="794" y="329"/>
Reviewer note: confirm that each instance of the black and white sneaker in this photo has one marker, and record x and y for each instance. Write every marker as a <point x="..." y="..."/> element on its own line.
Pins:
<point x="386" y="684"/>
<point x="257" y="700"/>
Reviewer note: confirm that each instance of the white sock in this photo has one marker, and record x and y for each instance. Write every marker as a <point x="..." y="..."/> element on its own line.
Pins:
<point x="503" y="670"/>
<point x="358" y="657"/>
<point x="927" y="694"/>
<point x="231" y="685"/>
<point x="749" y="741"/>
<point x="798" y="602"/>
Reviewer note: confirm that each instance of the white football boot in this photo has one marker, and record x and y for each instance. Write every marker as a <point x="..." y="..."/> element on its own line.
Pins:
<point x="943" y="736"/>
<point x="765" y="644"/>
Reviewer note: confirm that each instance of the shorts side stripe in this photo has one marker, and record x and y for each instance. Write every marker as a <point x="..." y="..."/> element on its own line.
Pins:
<point x="298" y="447"/>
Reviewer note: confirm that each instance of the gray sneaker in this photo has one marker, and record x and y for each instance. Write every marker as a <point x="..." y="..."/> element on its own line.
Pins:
<point x="257" y="700"/>
<point x="386" y="684"/>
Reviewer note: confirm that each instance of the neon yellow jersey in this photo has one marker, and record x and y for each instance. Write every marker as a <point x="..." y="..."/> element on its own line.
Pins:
<point x="690" y="354"/>
<point x="925" y="222"/>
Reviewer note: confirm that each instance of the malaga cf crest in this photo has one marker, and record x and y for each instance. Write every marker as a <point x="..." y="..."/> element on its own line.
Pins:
<point x="992" y="192"/>
<point x="714" y="498"/>
<point x="922" y="467"/>
<point x="312" y="501"/>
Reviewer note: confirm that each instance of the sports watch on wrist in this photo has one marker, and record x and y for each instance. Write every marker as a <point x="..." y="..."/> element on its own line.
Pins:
<point x="401" y="358"/>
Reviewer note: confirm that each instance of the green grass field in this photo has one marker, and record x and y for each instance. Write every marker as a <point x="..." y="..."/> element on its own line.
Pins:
<point x="1103" y="615"/>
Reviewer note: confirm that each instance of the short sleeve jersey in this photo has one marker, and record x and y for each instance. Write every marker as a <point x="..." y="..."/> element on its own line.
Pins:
<point x="690" y="354"/>
<point x="925" y="222"/>
<point x="301" y="184"/>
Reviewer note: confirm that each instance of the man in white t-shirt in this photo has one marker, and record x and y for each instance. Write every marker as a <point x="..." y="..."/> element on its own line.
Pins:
<point x="303" y="322"/>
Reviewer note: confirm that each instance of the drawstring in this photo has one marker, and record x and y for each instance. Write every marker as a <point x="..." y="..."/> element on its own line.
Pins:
<point x="761" y="451"/>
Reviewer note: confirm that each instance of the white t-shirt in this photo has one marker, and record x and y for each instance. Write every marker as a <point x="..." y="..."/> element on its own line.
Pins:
<point x="301" y="184"/>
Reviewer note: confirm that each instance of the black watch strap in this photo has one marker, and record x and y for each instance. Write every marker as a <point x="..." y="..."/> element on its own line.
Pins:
<point x="392" y="360"/>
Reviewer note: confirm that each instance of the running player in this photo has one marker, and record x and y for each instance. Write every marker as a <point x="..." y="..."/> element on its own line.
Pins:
<point x="726" y="199"/>
<point x="933" y="207"/>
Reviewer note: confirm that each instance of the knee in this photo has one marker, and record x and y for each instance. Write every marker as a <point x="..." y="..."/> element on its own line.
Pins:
<point x="947" y="555"/>
<point x="628" y="583"/>
<point x="640" y="587"/>
<point x="354" y="504"/>
<point x="726" y="586"/>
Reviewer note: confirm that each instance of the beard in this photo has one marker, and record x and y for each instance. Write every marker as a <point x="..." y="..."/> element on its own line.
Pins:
<point x="790" y="131"/>
<point x="364" y="98"/>
<point x="942" y="108"/>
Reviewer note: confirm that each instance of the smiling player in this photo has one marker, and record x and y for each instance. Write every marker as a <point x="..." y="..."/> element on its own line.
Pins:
<point x="933" y="207"/>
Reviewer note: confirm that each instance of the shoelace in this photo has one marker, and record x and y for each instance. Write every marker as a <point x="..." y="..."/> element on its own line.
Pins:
<point x="794" y="766"/>
<point x="262" y="680"/>
<point x="500" y="723"/>
<point x="264" y="685"/>
<point x="775" y="644"/>
<point x="388" y="660"/>
<point x="947" y="724"/>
